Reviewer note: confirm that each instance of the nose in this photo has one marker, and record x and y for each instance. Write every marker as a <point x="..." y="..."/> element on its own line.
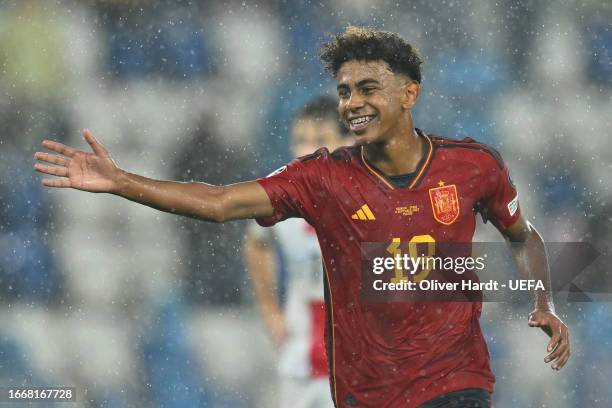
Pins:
<point x="355" y="101"/>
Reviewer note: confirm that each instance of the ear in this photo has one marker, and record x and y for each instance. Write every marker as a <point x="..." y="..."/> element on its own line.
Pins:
<point x="410" y="94"/>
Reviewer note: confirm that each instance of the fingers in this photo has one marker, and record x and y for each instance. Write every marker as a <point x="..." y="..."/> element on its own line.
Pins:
<point x="52" y="158"/>
<point x="564" y="345"/>
<point x="554" y="341"/>
<point x="53" y="170"/>
<point x="95" y="146"/>
<point x="60" y="182"/>
<point x="553" y="347"/>
<point x="59" y="147"/>
<point x="559" y="344"/>
<point x="562" y="360"/>
<point x="561" y="353"/>
<point x="69" y="151"/>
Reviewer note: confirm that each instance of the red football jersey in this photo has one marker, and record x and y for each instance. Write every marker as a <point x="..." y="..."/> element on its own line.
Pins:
<point x="396" y="354"/>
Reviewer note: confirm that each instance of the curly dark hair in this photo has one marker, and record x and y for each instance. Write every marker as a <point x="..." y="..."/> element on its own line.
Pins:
<point x="364" y="44"/>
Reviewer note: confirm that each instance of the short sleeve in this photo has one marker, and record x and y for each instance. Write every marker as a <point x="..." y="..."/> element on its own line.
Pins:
<point x="293" y="189"/>
<point x="502" y="205"/>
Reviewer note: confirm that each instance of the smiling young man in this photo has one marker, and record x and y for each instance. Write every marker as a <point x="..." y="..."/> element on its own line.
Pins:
<point x="396" y="184"/>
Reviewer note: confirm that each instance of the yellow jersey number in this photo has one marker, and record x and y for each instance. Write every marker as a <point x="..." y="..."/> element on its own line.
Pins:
<point x="395" y="249"/>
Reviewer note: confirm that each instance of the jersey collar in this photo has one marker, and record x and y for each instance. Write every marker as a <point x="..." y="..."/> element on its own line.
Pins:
<point x="419" y="172"/>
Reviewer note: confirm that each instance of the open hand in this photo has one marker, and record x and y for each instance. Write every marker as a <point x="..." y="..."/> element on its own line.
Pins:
<point x="94" y="172"/>
<point x="559" y="345"/>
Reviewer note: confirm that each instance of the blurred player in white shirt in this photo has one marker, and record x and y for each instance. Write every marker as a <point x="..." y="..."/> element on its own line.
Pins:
<point x="297" y="328"/>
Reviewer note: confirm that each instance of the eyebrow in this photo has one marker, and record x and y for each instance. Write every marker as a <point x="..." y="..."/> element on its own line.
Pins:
<point x="367" y="81"/>
<point x="363" y="82"/>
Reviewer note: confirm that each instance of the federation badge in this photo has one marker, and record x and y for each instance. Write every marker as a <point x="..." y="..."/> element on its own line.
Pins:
<point x="444" y="203"/>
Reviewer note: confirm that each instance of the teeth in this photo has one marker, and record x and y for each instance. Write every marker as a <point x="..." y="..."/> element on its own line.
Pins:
<point x="360" y="120"/>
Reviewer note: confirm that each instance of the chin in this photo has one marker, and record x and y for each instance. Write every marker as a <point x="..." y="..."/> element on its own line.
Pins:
<point x="366" y="138"/>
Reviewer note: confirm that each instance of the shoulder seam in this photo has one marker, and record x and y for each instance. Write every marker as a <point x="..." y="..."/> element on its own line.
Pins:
<point x="317" y="153"/>
<point x="343" y="153"/>
<point x="475" y="146"/>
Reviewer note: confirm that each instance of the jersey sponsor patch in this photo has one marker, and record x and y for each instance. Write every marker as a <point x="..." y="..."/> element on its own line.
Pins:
<point x="513" y="205"/>
<point x="279" y="170"/>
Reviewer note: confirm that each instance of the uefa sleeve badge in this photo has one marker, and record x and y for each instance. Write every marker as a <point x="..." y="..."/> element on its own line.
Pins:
<point x="513" y="205"/>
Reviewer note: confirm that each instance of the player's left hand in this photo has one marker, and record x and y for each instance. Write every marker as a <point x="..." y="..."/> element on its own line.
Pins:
<point x="559" y="345"/>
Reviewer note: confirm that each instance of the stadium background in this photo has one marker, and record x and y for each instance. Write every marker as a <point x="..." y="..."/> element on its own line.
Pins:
<point x="139" y="308"/>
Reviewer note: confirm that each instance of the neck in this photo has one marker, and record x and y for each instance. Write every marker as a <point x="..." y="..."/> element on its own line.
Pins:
<point x="399" y="153"/>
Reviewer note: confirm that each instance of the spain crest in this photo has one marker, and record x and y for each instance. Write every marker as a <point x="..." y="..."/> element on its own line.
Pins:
<point x="444" y="203"/>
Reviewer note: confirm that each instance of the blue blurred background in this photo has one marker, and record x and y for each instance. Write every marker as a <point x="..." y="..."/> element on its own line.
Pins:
<point x="138" y="308"/>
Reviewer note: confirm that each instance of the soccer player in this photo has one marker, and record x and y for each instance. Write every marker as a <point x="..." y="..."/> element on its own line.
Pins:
<point x="381" y="354"/>
<point x="297" y="329"/>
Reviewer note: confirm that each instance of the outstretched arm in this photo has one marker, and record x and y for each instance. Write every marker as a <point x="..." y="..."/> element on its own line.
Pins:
<point x="530" y="255"/>
<point x="96" y="172"/>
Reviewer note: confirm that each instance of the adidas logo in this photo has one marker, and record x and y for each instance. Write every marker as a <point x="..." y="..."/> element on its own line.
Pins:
<point x="364" y="213"/>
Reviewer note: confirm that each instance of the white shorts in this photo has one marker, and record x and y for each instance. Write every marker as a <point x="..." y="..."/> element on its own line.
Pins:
<point x="305" y="393"/>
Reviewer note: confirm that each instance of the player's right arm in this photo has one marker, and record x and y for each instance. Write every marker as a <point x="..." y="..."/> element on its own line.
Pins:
<point x="97" y="172"/>
<point x="261" y="265"/>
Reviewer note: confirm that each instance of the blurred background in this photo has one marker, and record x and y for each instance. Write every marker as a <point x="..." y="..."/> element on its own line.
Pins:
<point x="138" y="308"/>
